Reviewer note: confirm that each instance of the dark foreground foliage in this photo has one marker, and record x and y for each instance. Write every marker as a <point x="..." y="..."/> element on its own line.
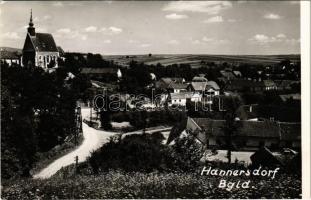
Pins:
<point x="37" y="114"/>
<point x="146" y="153"/>
<point x="117" y="184"/>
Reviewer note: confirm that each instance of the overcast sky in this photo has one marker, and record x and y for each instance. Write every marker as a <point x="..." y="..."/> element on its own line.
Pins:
<point x="138" y="27"/>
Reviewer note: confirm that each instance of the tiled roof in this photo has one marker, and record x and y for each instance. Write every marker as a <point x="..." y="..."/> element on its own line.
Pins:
<point x="199" y="86"/>
<point x="99" y="70"/>
<point x="213" y="85"/>
<point x="199" y="79"/>
<point x="240" y="83"/>
<point x="227" y="74"/>
<point x="178" y="86"/>
<point x="237" y="73"/>
<point x="60" y="50"/>
<point x="44" y="42"/>
<point x="265" y="129"/>
<point x="269" y="83"/>
<point x="285" y="97"/>
<point x="165" y="82"/>
<point x="290" y="131"/>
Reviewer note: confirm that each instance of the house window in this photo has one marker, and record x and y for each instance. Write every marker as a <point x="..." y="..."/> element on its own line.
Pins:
<point x="48" y="59"/>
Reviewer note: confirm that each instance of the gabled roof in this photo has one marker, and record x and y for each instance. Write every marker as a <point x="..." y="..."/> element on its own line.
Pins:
<point x="285" y="97"/>
<point x="284" y="83"/>
<point x="240" y="83"/>
<point x="227" y="74"/>
<point x="199" y="79"/>
<point x="265" y="129"/>
<point x="246" y="112"/>
<point x="212" y="84"/>
<point x="101" y="85"/>
<point x="164" y="83"/>
<point x="99" y="70"/>
<point x="60" y="50"/>
<point x="43" y="42"/>
<point x="269" y="83"/>
<point x="169" y="80"/>
<point x="178" y="86"/>
<point x="237" y="73"/>
<point x="199" y="86"/>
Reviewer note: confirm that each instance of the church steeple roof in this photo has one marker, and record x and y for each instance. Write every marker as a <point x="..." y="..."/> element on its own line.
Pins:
<point x="30" y="21"/>
<point x="31" y="28"/>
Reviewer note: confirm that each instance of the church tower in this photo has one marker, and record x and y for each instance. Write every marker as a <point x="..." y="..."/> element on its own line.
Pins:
<point x="31" y="28"/>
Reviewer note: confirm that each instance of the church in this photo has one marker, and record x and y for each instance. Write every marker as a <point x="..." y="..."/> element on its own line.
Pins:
<point x="39" y="49"/>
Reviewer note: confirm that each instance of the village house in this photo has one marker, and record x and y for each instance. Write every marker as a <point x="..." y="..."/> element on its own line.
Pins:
<point x="269" y="85"/>
<point x="285" y="84"/>
<point x="248" y="112"/>
<point x="227" y="74"/>
<point x="164" y="83"/>
<point x="178" y="99"/>
<point x="177" y="87"/>
<point x="39" y="49"/>
<point x="241" y="85"/>
<point x="212" y="88"/>
<point x="10" y="57"/>
<point x="105" y="74"/>
<point x="238" y="74"/>
<point x="250" y="135"/>
<point x="293" y="97"/>
<point x="182" y="98"/>
<point x="198" y="84"/>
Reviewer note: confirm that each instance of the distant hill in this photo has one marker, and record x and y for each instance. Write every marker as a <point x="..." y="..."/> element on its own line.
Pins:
<point x="195" y="60"/>
<point x="10" y="49"/>
<point x="10" y="53"/>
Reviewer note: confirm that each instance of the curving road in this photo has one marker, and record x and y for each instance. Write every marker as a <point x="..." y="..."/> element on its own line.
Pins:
<point x="93" y="139"/>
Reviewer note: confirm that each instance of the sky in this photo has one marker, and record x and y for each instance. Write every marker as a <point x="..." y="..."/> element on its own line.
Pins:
<point x="158" y="27"/>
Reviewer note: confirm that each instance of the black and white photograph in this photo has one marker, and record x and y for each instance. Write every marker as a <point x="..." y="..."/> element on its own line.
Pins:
<point x="155" y="99"/>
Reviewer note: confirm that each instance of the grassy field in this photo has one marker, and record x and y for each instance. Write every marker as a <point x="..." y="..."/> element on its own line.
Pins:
<point x="194" y="60"/>
<point x="116" y="184"/>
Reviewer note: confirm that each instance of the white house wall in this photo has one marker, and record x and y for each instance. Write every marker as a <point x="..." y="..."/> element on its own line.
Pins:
<point x="42" y="59"/>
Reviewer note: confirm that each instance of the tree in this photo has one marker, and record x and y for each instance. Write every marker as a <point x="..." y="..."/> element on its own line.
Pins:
<point x="230" y="126"/>
<point x="37" y="113"/>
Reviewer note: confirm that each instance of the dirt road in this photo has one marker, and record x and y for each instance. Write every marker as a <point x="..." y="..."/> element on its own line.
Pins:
<point x="93" y="139"/>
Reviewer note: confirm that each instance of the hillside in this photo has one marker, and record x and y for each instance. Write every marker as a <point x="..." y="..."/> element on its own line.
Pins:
<point x="10" y="49"/>
<point x="195" y="60"/>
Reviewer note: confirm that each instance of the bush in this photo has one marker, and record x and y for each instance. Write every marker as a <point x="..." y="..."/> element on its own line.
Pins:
<point x="146" y="153"/>
<point x="132" y="153"/>
<point x="186" y="153"/>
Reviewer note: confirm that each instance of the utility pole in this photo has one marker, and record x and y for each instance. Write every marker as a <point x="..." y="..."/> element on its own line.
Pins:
<point x="76" y="164"/>
<point x="90" y="113"/>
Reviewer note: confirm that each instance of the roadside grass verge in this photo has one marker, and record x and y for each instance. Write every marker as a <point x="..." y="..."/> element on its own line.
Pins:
<point x="46" y="158"/>
<point x="118" y="184"/>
